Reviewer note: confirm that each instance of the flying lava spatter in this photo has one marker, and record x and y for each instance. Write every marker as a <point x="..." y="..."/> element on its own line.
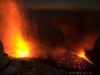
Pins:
<point x="15" y="45"/>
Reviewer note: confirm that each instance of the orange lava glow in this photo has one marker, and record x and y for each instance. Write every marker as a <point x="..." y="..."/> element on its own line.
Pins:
<point x="21" y="49"/>
<point x="15" y="44"/>
<point x="81" y="53"/>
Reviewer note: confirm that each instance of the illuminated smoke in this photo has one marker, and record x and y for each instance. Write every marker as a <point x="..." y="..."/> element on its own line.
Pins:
<point x="75" y="27"/>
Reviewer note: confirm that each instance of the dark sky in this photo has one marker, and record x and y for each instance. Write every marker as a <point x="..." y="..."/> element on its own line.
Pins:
<point x="62" y="4"/>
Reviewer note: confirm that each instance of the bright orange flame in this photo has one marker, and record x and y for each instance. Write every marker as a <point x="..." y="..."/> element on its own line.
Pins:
<point x="21" y="49"/>
<point x="81" y="53"/>
<point x="14" y="42"/>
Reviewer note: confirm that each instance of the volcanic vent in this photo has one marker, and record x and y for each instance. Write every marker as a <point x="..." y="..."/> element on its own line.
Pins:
<point x="71" y="62"/>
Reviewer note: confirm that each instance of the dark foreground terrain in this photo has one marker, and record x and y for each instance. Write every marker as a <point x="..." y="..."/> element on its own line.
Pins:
<point x="65" y="63"/>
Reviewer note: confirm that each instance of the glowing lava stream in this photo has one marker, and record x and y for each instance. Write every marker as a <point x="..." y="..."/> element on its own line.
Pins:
<point x="14" y="42"/>
<point x="82" y="54"/>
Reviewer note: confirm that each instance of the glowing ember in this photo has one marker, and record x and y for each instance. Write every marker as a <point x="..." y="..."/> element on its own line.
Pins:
<point x="71" y="62"/>
<point x="14" y="42"/>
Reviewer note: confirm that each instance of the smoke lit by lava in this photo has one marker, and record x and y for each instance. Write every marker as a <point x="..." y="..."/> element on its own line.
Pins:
<point x="75" y="27"/>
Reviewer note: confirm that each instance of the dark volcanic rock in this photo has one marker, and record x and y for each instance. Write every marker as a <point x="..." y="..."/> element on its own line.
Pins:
<point x="9" y="69"/>
<point x="71" y="62"/>
<point x="1" y="49"/>
<point x="33" y="68"/>
<point x="4" y="60"/>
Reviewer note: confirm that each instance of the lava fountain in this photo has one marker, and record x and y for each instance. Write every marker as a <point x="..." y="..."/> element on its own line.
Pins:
<point x="81" y="54"/>
<point x="12" y="30"/>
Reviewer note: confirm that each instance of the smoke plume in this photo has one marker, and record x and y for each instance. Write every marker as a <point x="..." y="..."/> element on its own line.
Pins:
<point x="77" y="30"/>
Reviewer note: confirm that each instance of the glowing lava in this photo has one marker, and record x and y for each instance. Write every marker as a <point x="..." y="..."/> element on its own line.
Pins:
<point x="22" y="49"/>
<point x="81" y="53"/>
<point x="15" y="44"/>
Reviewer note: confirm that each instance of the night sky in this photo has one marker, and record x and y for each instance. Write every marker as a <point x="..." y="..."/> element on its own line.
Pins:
<point x="63" y="4"/>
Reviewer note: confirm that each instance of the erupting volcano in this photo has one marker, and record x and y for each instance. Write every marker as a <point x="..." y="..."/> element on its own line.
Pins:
<point x="17" y="44"/>
<point x="13" y="29"/>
